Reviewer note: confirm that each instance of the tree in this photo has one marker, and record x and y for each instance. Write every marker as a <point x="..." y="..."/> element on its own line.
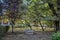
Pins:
<point x="56" y="22"/>
<point x="13" y="11"/>
<point x="34" y="11"/>
<point x="39" y="10"/>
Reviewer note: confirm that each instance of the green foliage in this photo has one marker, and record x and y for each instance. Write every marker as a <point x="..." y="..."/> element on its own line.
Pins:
<point x="38" y="9"/>
<point x="56" y="36"/>
<point x="3" y="30"/>
<point x="33" y="11"/>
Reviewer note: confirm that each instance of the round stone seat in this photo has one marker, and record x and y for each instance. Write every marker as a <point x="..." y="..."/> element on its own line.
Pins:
<point x="29" y="32"/>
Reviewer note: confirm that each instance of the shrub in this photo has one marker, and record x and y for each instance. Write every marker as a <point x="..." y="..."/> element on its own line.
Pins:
<point x="3" y="30"/>
<point x="56" y="36"/>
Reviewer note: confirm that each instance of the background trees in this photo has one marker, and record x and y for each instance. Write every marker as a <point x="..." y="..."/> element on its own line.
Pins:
<point x="31" y="11"/>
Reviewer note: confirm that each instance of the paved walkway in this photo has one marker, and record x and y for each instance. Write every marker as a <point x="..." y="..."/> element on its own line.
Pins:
<point x="22" y="36"/>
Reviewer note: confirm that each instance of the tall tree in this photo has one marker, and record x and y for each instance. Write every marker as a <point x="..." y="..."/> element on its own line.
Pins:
<point x="13" y="11"/>
<point x="56" y="22"/>
<point x="39" y="10"/>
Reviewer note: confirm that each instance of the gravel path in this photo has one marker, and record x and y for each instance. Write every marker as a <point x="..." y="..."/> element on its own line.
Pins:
<point x="22" y="36"/>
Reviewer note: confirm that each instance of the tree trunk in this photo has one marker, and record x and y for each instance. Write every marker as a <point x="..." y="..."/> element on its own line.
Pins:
<point x="30" y="28"/>
<point x="13" y="23"/>
<point x="12" y="28"/>
<point x="56" y="23"/>
<point x="41" y="26"/>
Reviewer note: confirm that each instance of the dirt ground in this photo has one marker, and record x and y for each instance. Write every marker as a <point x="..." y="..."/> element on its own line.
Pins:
<point x="22" y="36"/>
